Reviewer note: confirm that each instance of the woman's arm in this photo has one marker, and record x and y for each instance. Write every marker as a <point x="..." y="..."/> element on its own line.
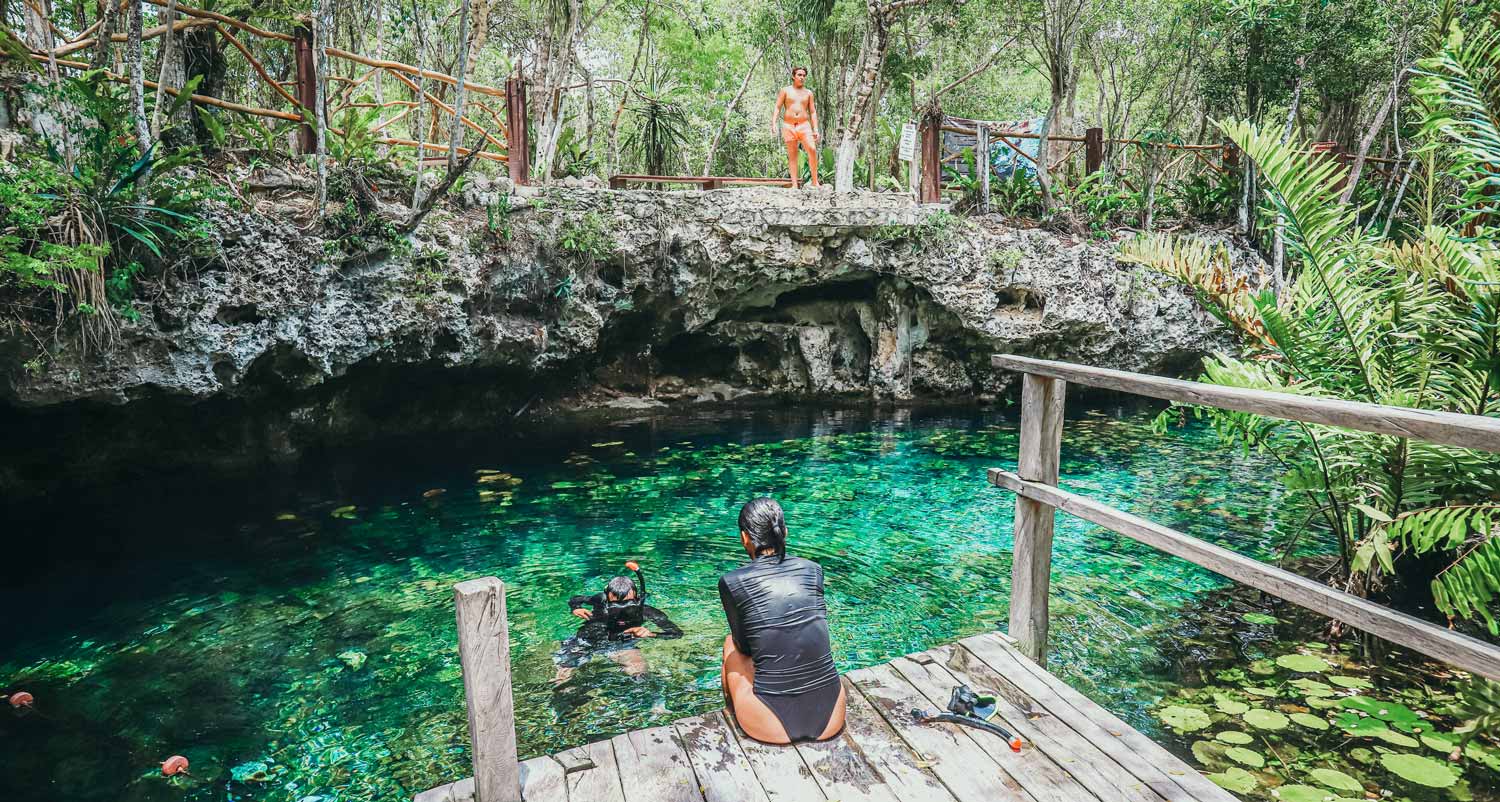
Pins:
<point x="732" y="613"/>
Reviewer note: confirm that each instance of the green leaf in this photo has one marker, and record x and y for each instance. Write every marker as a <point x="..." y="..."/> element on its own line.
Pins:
<point x="1310" y="721"/>
<point x="1263" y="719"/>
<point x="1300" y="793"/>
<point x="1418" y="769"/>
<point x="1373" y="513"/>
<point x="1235" y="737"/>
<point x="1336" y="779"/>
<point x="1260" y="618"/>
<point x="1349" y="682"/>
<point x="1235" y="779"/>
<point x="1186" y="719"/>
<point x="1312" y="687"/>
<point x="1228" y="705"/>
<point x="1302" y="663"/>
<point x="1249" y="757"/>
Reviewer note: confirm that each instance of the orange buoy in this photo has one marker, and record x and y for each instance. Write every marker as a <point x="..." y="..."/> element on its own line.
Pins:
<point x="176" y="764"/>
<point x="21" y="699"/>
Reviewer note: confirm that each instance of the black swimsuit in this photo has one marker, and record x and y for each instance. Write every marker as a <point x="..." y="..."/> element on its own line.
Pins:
<point x="777" y="616"/>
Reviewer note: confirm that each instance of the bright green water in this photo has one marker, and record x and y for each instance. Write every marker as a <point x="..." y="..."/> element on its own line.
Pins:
<point x="216" y="632"/>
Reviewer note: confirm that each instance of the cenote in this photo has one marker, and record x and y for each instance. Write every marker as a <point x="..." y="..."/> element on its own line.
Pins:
<point x="293" y="634"/>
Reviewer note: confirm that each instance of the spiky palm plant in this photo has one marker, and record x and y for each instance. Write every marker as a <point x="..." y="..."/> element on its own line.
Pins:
<point x="1412" y="324"/>
<point x="661" y="121"/>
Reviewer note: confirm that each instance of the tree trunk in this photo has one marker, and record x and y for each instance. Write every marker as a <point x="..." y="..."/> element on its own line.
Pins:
<point x="109" y="12"/>
<point x="454" y="137"/>
<point x="872" y="57"/>
<point x="419" y="130"/>
<point x="614" y="123"/>
<point x="1364" y="143"/>
<point x="138" y="93"/>
<point x="713" y="144"/>
<point x="320" y="88"/>
<point x="168" y="17"/>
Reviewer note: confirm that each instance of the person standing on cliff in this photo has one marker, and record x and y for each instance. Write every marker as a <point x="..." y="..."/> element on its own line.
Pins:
<point x="798" y="124"/>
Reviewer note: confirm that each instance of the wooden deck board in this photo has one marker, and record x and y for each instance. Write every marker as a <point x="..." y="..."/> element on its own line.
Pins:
<point x="1143" y="757"/>
<point x="1075" y="750"/>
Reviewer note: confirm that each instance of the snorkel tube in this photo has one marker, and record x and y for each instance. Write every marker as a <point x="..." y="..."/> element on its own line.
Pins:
<point x="640" y="581"/>
<point x="962" y="709"/>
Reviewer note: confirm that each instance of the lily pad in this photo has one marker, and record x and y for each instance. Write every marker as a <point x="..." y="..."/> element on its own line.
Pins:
<point x="1303" y="663"/>
<point x="1418" y="769"/>
<point x="1336" y="779"/>
<point x="1349" y="682"/>
<point x="1235" y="737"/>
<point x="1322" y="702"/>
<point x="1396" y="738"/>
<point x="1310" y="721"/>
<point x="1235" y="779"/>
<point x="1259" y="618"/>
<point x="1360" y="726"/>
<point x="1258" y="691"/>
<point x="1186" y="719"/>
<point x="1262" y="667"/>
<point x="1228" y="705"/>
<point x="1263" y="719"/>
<point x="1300" y="793"/>
<point x="1249" y="757"/>
<point x="1312" y="687"/>
<point x="1439" y="741"/>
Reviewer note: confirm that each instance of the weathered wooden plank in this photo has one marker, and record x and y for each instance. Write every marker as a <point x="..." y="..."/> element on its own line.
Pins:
<point x="1031" y="569"/>
<point x="1470" y="654"/>
<point x="484" y="653"/>
<point x="654" y="767"/>
<point x="600" y="783"/>
<point x="1139" y="755"/>
<point x="884" y="749"/>
<point x="967" y="772"/>
<point x="724" y="773"/>
<point x="541" y="781"/>
<point x="1469" y="431"/>
<point x="1033" y="768"/>
<point x="843" y="773"/>
<point x="575" y="759"/>
<point x="782" y="772"/>
<point x="1041" y="730"/>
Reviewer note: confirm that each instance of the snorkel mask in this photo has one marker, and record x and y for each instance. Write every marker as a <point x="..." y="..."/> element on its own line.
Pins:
<point x="624" y="614"/>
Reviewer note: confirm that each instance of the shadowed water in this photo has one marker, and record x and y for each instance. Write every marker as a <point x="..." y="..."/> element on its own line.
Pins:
<point x="293" y="636"/>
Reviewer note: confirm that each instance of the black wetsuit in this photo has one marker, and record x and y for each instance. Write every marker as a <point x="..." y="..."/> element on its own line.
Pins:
<point x="603" y="633"/>
<point x="777" y="616"/>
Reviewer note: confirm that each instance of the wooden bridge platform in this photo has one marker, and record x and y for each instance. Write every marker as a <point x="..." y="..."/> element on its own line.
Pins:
<point x="1075" y="750"/>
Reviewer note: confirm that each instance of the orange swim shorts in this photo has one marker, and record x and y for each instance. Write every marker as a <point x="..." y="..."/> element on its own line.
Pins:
<point x="797" y="132"/>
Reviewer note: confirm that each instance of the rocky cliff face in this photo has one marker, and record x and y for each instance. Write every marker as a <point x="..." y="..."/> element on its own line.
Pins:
<point x="506" y="301"/>
<point x="670" y="294"/>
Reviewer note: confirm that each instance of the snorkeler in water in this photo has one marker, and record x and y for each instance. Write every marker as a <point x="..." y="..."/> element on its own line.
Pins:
<point x="614" y="620"/>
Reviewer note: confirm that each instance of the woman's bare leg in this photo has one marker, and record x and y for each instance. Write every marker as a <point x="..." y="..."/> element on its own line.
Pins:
<point x="753" y="716"/>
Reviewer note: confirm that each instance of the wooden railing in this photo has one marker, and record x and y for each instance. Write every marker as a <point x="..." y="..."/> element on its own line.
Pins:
<point x="498" y="138"/>
<point x="1039" y="497"/>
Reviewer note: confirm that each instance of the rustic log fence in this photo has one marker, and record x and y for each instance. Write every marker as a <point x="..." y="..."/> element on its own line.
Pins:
<point x="1038" y="498"/>
<point x="502" y="140"/>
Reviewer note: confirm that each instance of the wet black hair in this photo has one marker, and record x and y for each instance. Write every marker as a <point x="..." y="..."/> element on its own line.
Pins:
<point x="764" y="521"/>
<point x="620" y="587"/>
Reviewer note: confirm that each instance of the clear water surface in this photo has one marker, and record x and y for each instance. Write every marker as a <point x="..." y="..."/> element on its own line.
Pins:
<point x="293" y="635"/>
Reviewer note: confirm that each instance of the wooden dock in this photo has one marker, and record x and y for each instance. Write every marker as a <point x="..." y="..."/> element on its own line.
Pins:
<point x="1075" y="750"/>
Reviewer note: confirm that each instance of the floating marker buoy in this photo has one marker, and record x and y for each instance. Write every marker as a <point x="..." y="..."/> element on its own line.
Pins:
<point x="21" y="699"/>
<point x="176" y="764"/>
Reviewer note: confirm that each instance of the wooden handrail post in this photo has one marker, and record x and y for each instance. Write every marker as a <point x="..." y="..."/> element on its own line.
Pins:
<point x="1031" y="567"/>
<point x="1093" y="150"/>
<point x="931" y="137"/>
<point x="307" y="90"/>
<point x="517" y="145"/>
<point x="484" y="653"/>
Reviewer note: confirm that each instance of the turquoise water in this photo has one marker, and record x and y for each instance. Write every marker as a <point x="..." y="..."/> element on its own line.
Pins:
<point x="293" y="636"/>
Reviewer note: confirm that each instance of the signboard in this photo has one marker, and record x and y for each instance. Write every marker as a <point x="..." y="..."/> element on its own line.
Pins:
<point x="908" y="150"/>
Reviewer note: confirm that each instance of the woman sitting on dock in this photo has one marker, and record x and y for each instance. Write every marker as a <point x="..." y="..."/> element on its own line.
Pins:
<point x="779" y="678"/>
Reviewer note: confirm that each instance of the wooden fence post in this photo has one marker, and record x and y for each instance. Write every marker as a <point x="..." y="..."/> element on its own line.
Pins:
<point x="484" y="653"/>
<point x="982" y="164"/>
<point x="931" y="136"/>
<point x="307" y="88"/>
<point x="517" y="145"/>
<point x="1093" y="150"/>
<point x="1031" y="567"/>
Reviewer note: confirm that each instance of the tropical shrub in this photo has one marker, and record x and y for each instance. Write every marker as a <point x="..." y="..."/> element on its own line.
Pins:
<point x="1412" y="324"/>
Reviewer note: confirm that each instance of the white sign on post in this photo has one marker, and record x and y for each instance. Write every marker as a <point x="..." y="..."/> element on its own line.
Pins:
<point x="908" y="150"/>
